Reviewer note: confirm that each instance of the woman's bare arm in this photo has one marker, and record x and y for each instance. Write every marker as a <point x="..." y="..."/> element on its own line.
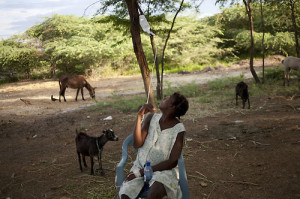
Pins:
<point x="174" y="156"/>
<point x="141" y="129"/>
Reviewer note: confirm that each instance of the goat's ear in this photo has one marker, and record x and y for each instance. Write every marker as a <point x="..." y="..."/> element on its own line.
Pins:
<point x="95" y="88"/>
<point x="76" y="131"/>
<point x="104" y="131"/>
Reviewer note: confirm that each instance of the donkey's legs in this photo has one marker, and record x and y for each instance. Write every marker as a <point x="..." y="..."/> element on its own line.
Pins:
<point x="62" y="93"/>
<point x="77" y="94"/>
<point x="82" y="93"/>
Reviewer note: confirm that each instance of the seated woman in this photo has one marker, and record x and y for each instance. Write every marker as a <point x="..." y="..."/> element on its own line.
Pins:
<point x="160" y="141"/>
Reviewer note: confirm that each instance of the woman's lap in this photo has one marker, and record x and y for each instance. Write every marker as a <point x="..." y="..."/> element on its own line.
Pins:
<point x="157" y="190"/>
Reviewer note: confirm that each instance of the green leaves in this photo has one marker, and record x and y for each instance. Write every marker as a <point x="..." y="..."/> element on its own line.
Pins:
<point x="17" y="54"/>
<point x="279" y="38"/>
<point x="72" y="44"/>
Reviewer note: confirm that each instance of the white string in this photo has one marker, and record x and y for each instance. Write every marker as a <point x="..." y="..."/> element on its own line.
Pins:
<point x="151" y="75"/>
<point x="150" y="82"/>
<point x="146" y="28"/>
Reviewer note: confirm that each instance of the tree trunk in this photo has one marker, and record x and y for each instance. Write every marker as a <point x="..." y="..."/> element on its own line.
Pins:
<point x="166" y="42"/>
<point x="158" y="91"/>
<point x="263" y="40"/>
<point x="248" y="9"/>
<point x="53" y="69"/>
<point x="292" y="4"/>
<point x="138" y="49"/>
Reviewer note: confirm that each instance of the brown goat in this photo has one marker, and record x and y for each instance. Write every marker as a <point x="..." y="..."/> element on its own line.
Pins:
<point x="75" y="82"/>
<point x="92" y="146"/>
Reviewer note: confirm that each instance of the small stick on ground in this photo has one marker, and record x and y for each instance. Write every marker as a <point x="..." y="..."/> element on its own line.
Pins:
<point x="255" y="143"/>
<point x="211" y="191"/>
<point x="239" y="182"/>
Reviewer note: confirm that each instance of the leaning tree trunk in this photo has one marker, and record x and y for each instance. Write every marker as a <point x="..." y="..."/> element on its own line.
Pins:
<point x="138" y="49"/>
<point x="248" y="9"/>
<point x="53" y="68"/>
<point x="263" y="40"/>
<point x="292" y="4"/>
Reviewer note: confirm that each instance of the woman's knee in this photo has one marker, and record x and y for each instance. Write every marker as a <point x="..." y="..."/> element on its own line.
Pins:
<point x="156" y="191"/>
<point x="124" y="196"/>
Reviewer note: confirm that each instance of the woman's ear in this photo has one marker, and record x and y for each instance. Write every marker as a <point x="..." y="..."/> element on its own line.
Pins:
<point x="173" y="107"/>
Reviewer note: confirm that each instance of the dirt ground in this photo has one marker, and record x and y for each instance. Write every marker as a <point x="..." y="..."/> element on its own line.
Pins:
<point x="241" y="153"/>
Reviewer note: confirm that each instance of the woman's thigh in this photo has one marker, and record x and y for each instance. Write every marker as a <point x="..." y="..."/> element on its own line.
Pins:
<point x="156" y="191"/>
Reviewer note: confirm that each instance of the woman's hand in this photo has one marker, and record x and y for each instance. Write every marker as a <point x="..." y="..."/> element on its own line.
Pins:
<point x="141" y="127"/>
<point x="146" y="108"/>
<point x="130" y="176"/>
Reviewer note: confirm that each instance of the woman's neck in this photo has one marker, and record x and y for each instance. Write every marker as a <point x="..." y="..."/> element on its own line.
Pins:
<point x="167" y="121"/>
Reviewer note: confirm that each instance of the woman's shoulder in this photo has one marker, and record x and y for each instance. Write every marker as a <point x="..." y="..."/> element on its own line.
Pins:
<point x="148" y="117"/>
<point x="155" y="116"/>
<point x="179" y="127"/>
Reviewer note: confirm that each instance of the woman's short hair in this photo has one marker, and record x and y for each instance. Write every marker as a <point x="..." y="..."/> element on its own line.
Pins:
<point x="181" y="104"/>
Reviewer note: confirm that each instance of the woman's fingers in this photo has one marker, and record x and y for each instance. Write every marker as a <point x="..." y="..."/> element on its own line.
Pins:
<point x="130" y="176"/>
<point x="148" y="108"/>
<point x="145" y="109"/>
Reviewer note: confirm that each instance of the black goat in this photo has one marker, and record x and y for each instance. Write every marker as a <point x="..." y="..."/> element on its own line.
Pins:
<point x="241" y="90"/>
<point x="92" y="146"/>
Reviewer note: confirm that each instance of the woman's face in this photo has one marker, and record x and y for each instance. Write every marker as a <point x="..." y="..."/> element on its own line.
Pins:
<point x="166" y="103"/>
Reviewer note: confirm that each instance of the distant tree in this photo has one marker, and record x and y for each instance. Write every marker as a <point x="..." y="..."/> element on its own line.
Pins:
<point x="19" y="54"/>
<point x="292" y="4"/>
<point x="248" y="4"/>
<point x="164" y="48"/>
<point x="72" y="44"/>
<point x="263" y="39"/>
<point x="120" y="8"/>
<point x="277" y="26"/>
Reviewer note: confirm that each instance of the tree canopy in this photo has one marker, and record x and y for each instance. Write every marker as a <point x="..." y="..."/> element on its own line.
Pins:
<point x="82" y="45"/>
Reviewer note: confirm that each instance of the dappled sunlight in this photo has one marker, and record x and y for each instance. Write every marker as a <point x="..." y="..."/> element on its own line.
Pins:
<point x="22" y="86"/>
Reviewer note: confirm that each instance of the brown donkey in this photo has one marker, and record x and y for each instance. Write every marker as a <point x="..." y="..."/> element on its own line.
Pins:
<point x="75" y="82"/>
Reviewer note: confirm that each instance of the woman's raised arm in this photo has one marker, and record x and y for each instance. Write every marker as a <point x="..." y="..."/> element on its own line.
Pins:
<point x="141" y="129"/>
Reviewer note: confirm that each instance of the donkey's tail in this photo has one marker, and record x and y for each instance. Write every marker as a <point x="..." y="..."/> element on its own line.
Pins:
<point x="59" y="83"/>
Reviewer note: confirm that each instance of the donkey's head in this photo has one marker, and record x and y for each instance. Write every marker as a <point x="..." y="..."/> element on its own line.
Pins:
<point x="92" y="91"/>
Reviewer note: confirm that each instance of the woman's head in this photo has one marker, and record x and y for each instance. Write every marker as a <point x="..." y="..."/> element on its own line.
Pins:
<point x="181" y="104"/>
<point x="177" y="102"/>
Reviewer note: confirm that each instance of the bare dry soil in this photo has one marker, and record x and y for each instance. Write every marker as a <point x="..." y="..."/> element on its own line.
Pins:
<point x="253" y="154"/>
